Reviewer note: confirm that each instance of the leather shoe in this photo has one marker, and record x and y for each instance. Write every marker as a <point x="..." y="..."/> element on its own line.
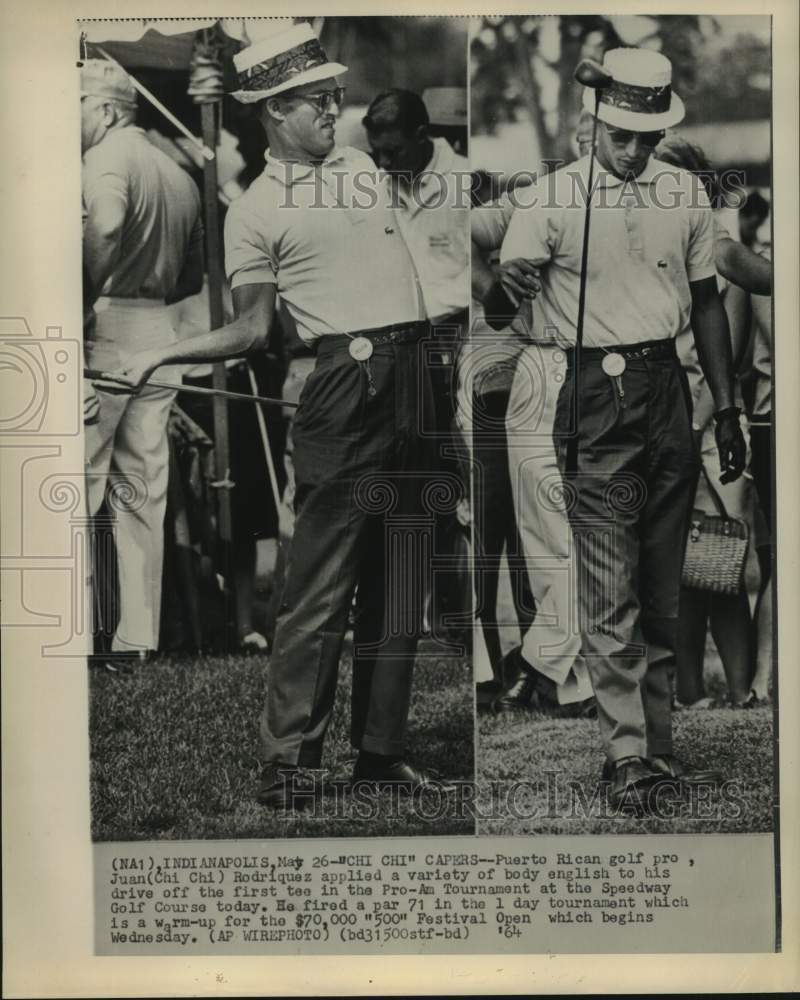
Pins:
<point x="285" y="786"/>
<point x="631" y="778"/>
<point x="394" y="772"/>
<point x="520" y="689"/>
<point x="669" y="768"/>
<point x="547" y="701"/>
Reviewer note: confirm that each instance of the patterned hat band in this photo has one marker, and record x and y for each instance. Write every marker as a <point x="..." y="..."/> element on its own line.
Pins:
<point x="630" y="97"/>
<point x="273" y="72"/>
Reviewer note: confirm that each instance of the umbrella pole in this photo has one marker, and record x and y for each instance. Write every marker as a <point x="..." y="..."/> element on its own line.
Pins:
<point x="208" y="112"/>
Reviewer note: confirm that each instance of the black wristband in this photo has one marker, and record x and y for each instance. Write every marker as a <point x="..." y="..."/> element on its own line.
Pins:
<point x="727" y="411"/>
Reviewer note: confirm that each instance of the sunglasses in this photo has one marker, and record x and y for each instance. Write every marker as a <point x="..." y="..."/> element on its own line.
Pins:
<point x="323" y="100"/>
<point x="621" y="137"/>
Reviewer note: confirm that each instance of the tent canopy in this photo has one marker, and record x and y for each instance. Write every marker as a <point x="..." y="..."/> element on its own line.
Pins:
<point x="166" y="43"/>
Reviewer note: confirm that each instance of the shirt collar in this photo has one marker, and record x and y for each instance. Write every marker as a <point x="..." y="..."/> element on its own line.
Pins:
<point x="289" y="172"/>
<point x="604" y="178"/>
<point x="442" y="160"/>
<point x="429" y="183"/>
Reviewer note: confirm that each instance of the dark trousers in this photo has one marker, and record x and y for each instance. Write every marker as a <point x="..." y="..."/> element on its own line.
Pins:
<point x="495" y="522"/>
<point x="361" y="470"/>
<point x="629" y="507"/>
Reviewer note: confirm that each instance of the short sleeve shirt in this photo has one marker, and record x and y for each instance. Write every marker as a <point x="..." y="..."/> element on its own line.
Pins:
<point x="327" y="237"/>
<point x="433" y="215"/>
<point x="162" y="223"/>
<point x="649" y="238"/>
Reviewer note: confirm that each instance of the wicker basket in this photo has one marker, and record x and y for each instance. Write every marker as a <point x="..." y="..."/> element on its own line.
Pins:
<point x="716" y="550"/>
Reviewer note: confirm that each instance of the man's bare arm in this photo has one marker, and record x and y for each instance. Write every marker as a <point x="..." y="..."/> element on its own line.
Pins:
<point x="742" y="267"/>
<point x="254" y="306"/>
<point x="482" y="274"/>
<point x="102" y="238"/>
<point x="713" y="340"/>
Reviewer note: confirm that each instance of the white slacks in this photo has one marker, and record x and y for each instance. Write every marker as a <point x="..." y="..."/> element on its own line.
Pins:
<point x="129" y="449"/>
<point x="553" y="643"/>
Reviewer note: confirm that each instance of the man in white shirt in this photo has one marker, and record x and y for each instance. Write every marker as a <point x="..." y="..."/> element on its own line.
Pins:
<point x="430" y="186"/>
<point x="142" y="249"/>
<point x="315" y="228"/>
<point x="626" y="407"/>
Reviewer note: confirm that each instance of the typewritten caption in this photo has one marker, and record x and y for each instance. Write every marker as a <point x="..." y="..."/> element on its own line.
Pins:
<point x="284" y="897"/>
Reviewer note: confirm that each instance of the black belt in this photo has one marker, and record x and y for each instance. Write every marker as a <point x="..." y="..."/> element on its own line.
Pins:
<point x="652" y="350"/>
<point x="406" y="333"/>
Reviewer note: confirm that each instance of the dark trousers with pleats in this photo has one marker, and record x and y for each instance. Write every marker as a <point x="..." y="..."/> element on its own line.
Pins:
<point x="629" y="508"/>
<point x="362" y="470"/>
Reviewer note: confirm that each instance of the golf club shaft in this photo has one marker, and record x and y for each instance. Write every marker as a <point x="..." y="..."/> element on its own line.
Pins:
<point x="198" y="390"/>
<point x="572" y="445"/>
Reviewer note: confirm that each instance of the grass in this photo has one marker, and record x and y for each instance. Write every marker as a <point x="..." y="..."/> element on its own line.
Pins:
<point x="172" y="754"/>
<point x="525" y="747"/>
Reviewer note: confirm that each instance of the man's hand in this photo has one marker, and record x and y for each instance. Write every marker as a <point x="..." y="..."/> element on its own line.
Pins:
<point x="131" y="376"/>
<point x="519" y="279"/>
<point x="731" y="445"/>
<point x="514" y="280"/>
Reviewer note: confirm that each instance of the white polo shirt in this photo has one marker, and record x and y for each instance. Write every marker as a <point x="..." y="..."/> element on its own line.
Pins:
<point x="327" y="237"/>
<point x="163" y="222"/>
<point x="649" y="237"/>
<point x="433" y="215"/>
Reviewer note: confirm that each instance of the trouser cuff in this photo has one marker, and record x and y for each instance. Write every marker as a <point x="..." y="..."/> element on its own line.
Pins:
<point x="626" y="748"/>
<point x="374" y="744"/>
<point x="304" y="755"/>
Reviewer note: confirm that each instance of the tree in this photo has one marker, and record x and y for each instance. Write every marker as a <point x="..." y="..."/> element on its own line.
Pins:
<point x="507" y="60"/>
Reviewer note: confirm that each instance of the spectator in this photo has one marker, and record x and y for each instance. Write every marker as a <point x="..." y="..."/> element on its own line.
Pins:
<point x="728" y="616"/>
<point x="142" y="249"/>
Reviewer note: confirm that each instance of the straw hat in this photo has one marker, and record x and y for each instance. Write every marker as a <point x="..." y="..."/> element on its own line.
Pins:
<point x="640" y="97"/>
<point x="281" y="62"/>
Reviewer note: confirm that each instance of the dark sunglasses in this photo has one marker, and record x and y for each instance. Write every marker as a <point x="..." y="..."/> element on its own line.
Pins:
<point x="621" y="137"/>
<point x="323" y="100"/>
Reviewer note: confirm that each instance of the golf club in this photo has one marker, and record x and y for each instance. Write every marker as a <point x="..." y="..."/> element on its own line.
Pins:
<point x="591" y="74"/>
<point x="197" y="390"/>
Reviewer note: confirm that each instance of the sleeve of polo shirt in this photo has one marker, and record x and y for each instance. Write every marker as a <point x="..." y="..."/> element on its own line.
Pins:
<point x="489" y="223"/>
<point x="248" y="260"/>
<point x="700" y="250"/>
<point x="720" y="231"/>
<point x="104" y="176"/>
<point x="529" y="235"/>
